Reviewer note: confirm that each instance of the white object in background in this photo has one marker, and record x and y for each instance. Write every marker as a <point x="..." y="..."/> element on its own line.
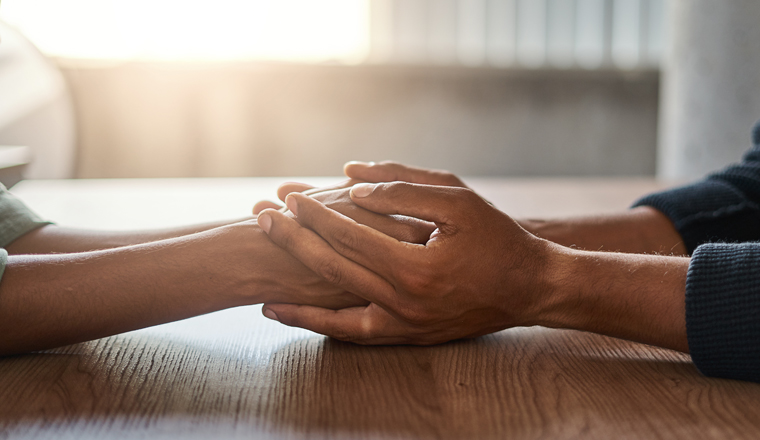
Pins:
<point x="35" y="109"/>
<point x="710" y="94"/>
<point x="13" y="161"/>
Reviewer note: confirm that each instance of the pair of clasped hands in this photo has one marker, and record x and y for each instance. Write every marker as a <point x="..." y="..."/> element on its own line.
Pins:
<point x="427" y="259"/>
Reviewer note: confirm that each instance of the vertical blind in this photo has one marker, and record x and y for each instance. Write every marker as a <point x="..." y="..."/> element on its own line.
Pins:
<point x="625" y="34"/>
<point x="590" y="34"/>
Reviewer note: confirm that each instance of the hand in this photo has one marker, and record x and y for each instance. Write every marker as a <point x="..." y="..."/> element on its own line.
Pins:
<point x="647" y="230"/>
<point x="478" y="273"/>
<point x="359" y="172"/>
<point x="289" y="187"/>
<point x="400" y="227"/>
<point x="301" y="286"/>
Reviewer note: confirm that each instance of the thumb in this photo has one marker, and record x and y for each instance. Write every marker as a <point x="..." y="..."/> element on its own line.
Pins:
<point x="291" y="187"/>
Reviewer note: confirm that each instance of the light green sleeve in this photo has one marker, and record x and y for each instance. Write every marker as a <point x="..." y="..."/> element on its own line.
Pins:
<point x="15" y="220"/>
<point x="3" y="261"/>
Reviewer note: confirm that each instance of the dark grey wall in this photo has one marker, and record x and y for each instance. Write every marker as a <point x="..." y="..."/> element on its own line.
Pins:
<point x="140" y="120"/>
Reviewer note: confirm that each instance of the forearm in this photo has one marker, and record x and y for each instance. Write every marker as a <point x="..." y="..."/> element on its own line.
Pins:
<point x="51" y="300"/>
<point x="641" y="230"/>
<point x="57" y="299"/>
<point x="55" y="239"/>
<point x="635" y="297"/>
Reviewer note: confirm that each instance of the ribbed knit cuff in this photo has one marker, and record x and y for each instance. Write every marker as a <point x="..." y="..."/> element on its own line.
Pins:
<point x="710" y="210"/>
<point x="723" y="310"/>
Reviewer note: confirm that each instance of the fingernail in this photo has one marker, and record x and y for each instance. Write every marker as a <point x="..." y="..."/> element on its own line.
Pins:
<point x="270" y="314"/>
<point x="371" y="164"/>
<point x="357" y="162"/>
<point x="362" y="189"/>
<point x="292" y="204"/>
<point x="265" y="222"/>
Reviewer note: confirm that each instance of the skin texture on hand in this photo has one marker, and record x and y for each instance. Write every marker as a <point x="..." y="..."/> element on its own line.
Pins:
<point x="400" y="227"/>
<point x="479" y="272"/>
<point x="115" y="282"/>
<point x="56" y="299"/>
<point x="304" y="188"/>
<point x="644" y="229"/>
<point x="389" y="171"/>
<point x="367" y="172"/>
<point x="451" y="287"/>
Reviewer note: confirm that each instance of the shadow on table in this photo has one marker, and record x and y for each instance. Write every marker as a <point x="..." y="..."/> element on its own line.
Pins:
<point x="517" y="383"/>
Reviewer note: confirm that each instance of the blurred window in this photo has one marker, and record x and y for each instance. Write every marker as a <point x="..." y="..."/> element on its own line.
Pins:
<point x="586" y="34"/>
<point x="289" y="30"/>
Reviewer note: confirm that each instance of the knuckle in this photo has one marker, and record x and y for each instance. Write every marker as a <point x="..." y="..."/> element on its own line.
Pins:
<point x="454" y="180"/>
<point x="389" y="163"/>
<point x="367" y="329"/>
<point x="417" y="279"/>
<point x="345" y="240"/>
<point x="331" y="271"/>
<point x="394" y="188"/>
<point x="365" y="332"/>
<point x="391" y="169"/>
<point x="469" y="194"/>
<point x="416" y="315"/>
<point x="414" y="233"/>
<point x="342" y="335"/>
<point x="284" y="238"/>
<point x="466" y="196"/>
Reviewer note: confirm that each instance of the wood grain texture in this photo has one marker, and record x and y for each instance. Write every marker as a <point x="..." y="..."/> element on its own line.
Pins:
<point x="235" y="374"/>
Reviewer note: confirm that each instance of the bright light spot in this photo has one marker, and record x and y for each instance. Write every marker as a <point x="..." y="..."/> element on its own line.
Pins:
<point x="290" y="30"/>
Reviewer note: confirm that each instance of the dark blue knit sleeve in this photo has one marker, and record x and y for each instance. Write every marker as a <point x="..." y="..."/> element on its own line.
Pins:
<point x="723" y="207"/>
<point x="723" y="310"/>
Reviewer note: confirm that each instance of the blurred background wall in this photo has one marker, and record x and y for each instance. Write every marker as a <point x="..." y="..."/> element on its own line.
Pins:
<point x="169" y="88"/>
<point x="263" y="120"/>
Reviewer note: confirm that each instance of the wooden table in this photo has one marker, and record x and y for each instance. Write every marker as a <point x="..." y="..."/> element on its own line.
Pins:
<point x="235" y="374"/>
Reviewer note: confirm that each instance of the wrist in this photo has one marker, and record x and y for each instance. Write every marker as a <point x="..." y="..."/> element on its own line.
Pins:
<point x="646" y="231"/>
<point x="554" y="230"/>
<point x="558" y="306"/>
<point x="628" y="296"/>
<point x="227" y="263"/>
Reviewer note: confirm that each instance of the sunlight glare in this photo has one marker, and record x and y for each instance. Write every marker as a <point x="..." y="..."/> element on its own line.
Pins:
<point x="288" y="30"/>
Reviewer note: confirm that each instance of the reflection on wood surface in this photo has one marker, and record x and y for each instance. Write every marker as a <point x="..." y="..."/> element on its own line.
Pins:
<point x="234" y="373"/>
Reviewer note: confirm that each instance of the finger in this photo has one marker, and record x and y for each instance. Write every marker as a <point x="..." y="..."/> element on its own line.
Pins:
<point x="400" y="227"/>
<point x="289" y="187"/>
<point x="340" y="185"/>
<point x="264" y="204"/>
<point x="303" y="188"/>
<point x="388" y="171"/>
<point x="442" y="205"/>
<point x="316" y="254"/>
<point x="361" y="325"/>
<point x="370" y="248"/>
